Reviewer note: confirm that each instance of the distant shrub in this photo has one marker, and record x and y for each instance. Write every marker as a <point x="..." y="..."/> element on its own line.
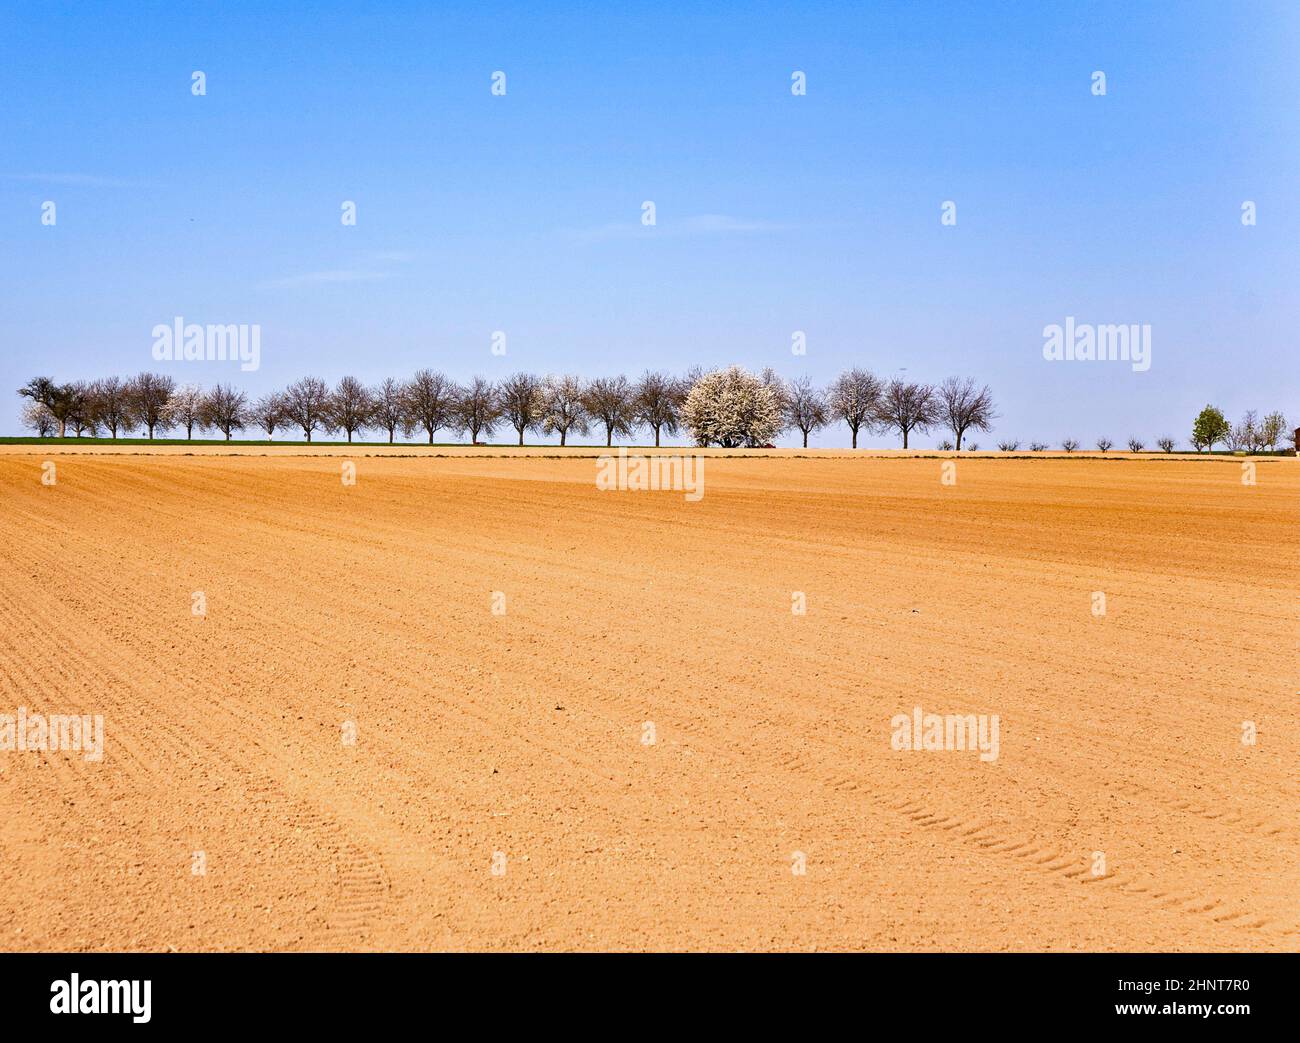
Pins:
<point x="1135" y="445"/>
<point x="1038" y="447"/>
<point x="1070" y="445"/>
<point x="1008" y="447"/>
<point x="1166" y="443"/>
<point x="1104" y="444"/>
<point x="945" y="445"/>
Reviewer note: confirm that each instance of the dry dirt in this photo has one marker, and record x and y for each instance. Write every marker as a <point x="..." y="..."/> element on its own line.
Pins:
<point x="332" y="608"/>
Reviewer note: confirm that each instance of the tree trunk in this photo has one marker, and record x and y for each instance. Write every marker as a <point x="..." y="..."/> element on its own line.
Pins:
<point x="609" y="435"/>
<point x="656" y="436"/>
<point x="904" y="438"/>
<point x="521" y="436"/>
<point x="855" y="438"/>
<point x="63" y="428"/>
<point x="151" y="431"/>
<point x="959" y="434"/>
<point x="349" y="436"/>
<point x="189" y="432"/>
<point x="430" y="430"/>
<point x="392" y="433"/>
<point x="805" y="439"/>
<point x="563" y="433"/>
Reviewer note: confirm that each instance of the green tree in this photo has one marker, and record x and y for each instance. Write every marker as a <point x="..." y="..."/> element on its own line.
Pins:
<point x="1209" y="427"/>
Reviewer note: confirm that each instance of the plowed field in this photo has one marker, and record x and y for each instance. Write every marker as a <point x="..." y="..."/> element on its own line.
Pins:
<point x="473" y="702"/>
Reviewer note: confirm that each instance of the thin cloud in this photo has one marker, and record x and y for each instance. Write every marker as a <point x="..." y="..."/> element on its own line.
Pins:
<point x="722" y="223"/>
<point x="369" y="267"/>
<point x="391" y="256"/>
<point x="693" y="225"/>
<point x="337" y="275"/>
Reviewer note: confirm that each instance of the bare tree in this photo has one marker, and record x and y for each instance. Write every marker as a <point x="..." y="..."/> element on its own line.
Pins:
<point x="112" y="405"/>
<point x="1009" y="446"/>
<point x="906" y="407"/>
<point x="306" y="405"/>
<point x="613" y="401"/>
<point x="1166" y="444"/>
<point x="59" y="399"/>
<point x="431" y="401"/>
<point x="350" y="406"/>
<point x="656" y="402"/>
<point x="1104" y="444"/>
<point x="84" y="417"/>
<point x="477" y="409"/>
<point x="185" y="408"/>
<point x="267" y="413"/>
<point x="854" y="397"/>
<point x="520" y="398"/>
<point x="1135" y="445"/>
<point x="148" y="395"/>
<point x="1241" y="436"/>
<point x="805" y="408"/>
<point x="1250" y="435"/>
<point x="964" y="407"/>
<point x="1272" y="430"/>
<point x="225" y="409"/>
<point x="1069" y="444"/>
<point x="389" y="408"/>
<point x="563" y="407"/>
<point x="39" y="419"/>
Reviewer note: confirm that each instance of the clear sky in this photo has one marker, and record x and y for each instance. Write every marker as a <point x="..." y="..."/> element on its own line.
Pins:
<point x="775" y="212"/>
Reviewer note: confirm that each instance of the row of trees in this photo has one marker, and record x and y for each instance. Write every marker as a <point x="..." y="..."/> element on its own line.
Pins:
<point x="429" y="402"/>
<point x="1069" y="445"/>
<point x="1211" y="428"/>
<point x="1250" y="434"/>
<point x="729" y="407"/>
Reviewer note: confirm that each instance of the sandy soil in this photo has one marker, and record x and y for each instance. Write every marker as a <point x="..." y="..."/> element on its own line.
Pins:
<point x="369" y="607"/>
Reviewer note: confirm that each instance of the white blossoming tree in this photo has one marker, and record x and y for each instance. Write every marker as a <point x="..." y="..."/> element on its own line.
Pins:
<point x="730" y="408"/>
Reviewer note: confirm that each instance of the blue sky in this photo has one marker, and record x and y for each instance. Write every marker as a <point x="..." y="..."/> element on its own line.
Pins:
<point x="775" y="213"/>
